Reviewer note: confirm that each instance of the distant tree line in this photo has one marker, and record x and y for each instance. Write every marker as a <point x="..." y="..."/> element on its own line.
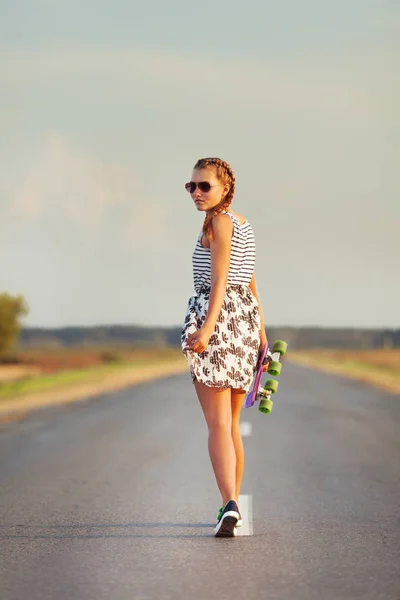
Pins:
<point x="297" y="337"/>
<point x="13" y="308"/>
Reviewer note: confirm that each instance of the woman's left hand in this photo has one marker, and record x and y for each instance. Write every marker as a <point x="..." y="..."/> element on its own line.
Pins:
<point x="198" y="341"/>
<point x="267" y="359"/>
<point x="265" y="367"/>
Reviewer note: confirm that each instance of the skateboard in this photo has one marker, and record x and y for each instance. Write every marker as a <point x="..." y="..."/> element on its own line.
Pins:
<point x="263" y="394"/>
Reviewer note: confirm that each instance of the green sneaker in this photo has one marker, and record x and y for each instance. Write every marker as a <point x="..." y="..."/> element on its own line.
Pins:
<point x="221" y="510"/>
<point x="226" y="526"/>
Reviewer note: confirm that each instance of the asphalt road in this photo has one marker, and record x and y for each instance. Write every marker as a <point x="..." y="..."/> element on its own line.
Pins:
<point x="115" y="498"/>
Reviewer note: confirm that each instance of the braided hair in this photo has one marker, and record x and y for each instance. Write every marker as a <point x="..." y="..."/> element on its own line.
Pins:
<point x="224" y="175"/>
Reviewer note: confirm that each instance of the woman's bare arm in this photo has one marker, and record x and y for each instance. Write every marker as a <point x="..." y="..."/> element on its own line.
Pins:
<point x="220" y="248"/>
<point x="253" y="287"/>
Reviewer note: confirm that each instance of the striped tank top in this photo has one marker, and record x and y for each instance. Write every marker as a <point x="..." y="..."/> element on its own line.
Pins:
<point x="243" y="255"/>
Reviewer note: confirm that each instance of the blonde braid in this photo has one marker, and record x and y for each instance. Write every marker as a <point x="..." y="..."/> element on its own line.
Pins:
<point x="224" y="175"/>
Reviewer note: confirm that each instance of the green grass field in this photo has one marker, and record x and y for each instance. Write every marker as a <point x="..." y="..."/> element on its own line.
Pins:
<point x="65" y="377"/>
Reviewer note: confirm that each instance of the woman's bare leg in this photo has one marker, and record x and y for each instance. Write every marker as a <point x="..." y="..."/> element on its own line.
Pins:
<point x="216" y="405"/>
<point x="237" y="399"/>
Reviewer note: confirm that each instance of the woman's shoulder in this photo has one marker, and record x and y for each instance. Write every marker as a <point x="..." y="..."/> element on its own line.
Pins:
<point x="222" y="223"/>
<point x="241" y="219"/>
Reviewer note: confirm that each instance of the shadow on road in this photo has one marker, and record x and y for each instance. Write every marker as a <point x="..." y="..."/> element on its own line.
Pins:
<point x="102" y="531"/>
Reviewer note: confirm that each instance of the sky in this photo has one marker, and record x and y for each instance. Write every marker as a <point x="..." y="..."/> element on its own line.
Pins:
<point x="105" y="106"/>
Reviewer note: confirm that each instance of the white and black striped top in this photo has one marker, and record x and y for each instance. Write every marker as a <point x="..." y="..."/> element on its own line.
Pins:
<point x="243" y="255"/>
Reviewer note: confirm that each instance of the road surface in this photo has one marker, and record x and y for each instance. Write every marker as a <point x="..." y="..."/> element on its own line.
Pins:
<point x="115" y="499"/>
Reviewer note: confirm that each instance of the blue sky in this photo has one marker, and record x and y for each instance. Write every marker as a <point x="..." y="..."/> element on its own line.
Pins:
<point x="105" y="107"/>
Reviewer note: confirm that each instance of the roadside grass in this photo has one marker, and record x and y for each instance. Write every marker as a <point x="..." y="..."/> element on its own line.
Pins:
<point x="379" y="367"/>
<point x="54" y="359"/>
<point x="64" y="377"/>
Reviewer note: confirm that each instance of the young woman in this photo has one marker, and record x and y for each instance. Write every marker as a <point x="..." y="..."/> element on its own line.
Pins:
<point x="224" y="330"/>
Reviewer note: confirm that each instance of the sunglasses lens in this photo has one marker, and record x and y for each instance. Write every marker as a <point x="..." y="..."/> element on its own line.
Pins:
<point x="204" y="186"/>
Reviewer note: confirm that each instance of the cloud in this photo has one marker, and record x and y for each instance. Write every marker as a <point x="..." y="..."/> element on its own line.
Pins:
<point x="64" y="186"/>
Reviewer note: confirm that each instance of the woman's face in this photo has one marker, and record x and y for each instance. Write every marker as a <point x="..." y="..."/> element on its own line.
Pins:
<point x="206" y="201"/>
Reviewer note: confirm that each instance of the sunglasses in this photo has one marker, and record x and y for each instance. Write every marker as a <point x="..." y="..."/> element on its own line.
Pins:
<point x="203" y="186"/>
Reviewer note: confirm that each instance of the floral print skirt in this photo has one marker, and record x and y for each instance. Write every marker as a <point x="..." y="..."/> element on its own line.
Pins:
<point x="230" y="359"/>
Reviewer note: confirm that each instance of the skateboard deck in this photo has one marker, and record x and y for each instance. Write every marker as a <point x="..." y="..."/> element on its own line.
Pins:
<point x="274" y="368"/>
<point x="251" y="396"/>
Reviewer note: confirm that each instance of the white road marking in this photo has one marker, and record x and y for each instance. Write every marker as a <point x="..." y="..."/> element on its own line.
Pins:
<point x="245" y="428"/>
<point x="246" y="510"/>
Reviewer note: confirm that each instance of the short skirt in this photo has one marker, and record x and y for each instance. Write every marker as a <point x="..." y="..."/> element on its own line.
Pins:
<point x="230" y="359"/>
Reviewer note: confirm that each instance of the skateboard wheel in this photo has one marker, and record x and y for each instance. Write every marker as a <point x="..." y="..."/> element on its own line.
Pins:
<point x="266" y="405"/>
<point x="271" y="386"/>
<point x="280" y="347"/>
<point x="274" y="368"/>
